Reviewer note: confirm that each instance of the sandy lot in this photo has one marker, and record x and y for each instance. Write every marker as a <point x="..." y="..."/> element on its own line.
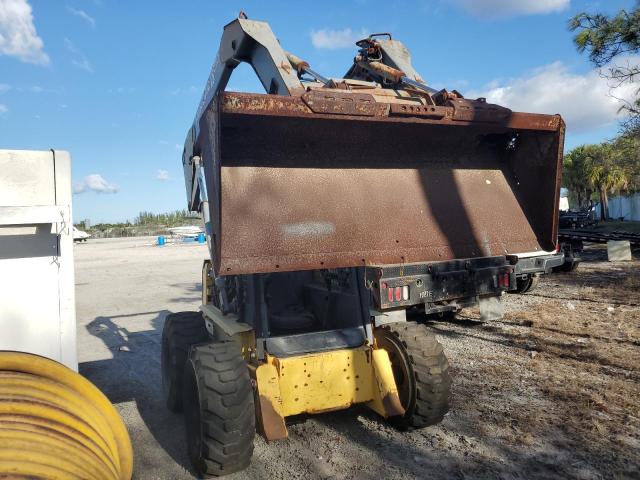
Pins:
<point x="553" y="390"/>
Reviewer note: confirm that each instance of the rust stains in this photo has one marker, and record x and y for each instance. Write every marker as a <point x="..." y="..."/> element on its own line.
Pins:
<point x="271" y="422"/>
<point x="392" y="405"/>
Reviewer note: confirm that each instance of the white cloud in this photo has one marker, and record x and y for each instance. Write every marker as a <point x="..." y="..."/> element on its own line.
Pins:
<point x="83" y="15"/>
<point x="78" y="58"/>
<point x="335" y="39"/>
<point x="162" y="175"/>
<point x="585" y="101"/>
<point x="18" y="36"/>
<point x="3" y="109"/>
<point x="509" y="8"/>
<point x="4" y="87"/>
<point x="96" y="183"/>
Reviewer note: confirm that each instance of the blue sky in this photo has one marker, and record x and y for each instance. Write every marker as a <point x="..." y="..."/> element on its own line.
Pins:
<point x="117" y="83"/>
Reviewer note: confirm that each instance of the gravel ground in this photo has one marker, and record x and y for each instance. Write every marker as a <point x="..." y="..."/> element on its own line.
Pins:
<point x="552" y="390"/>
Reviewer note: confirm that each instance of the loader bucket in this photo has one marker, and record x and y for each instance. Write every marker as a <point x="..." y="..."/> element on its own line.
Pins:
<point x="292" y="187"/>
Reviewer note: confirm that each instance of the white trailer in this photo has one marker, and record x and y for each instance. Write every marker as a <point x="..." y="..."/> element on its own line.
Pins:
<point x="37" y="302"/>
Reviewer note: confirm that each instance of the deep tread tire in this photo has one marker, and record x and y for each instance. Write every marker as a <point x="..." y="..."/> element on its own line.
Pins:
<point x="219" y="409"/>
<point x="180" y="331"/>
<point x="422" y="362"/>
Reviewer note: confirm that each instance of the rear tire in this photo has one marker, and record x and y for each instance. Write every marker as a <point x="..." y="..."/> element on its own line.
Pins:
<point x="524" y="285"/>
<point x="569" y="267"/>
<point x="421" y="371"/>
<point x="219" y="409"/>
<point x="181" y="330"/>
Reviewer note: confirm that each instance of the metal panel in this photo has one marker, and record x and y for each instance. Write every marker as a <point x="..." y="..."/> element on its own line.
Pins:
<point x="31" y="215"/>
<point x="37" y="306"/>
<point x="300" y="190"/>
<point x="27" y="178"/>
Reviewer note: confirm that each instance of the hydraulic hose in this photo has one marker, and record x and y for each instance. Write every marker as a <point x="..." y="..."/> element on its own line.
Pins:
<point x="55" y="424"/>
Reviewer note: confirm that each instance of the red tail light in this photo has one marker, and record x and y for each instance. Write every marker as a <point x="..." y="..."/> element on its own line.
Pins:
<point x="398" y="294"/>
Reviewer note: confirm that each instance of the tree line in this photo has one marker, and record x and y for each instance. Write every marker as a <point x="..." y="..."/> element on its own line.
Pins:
<point x="171" y="218"/>
<point x="598" y="170"/>
<point x="148" y="222"/>
<point x="610" y="167"/>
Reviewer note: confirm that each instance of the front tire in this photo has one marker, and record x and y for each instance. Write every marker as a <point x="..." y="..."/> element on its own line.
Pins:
<point x="219" y="409"/>
<point x="421" y="371"/>
<point x="180" y="331"/>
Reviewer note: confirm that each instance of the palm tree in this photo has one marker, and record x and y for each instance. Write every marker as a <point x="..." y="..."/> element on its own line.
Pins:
<point x="606" y="176"/>
<point x="575" y="175"/>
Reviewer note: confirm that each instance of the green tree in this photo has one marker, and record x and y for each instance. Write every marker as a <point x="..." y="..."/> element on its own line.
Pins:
<point x="575" y="175"/>
<point x="626" y="151"/>
<point x="606" y="38"/>
<point x="605" y="174"/>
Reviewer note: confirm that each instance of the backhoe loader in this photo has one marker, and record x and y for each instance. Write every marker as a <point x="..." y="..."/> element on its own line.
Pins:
<point x="335" y="210"/>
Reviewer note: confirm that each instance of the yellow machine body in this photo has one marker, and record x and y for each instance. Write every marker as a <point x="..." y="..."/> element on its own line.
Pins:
<point x="307" y="383"/>
<point x="322" y="382"/>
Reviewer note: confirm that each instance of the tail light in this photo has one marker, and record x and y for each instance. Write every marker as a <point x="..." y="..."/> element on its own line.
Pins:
<point x="503" y="280"/>
<point x="389" y="290"/>
<point x="395" y="294"/>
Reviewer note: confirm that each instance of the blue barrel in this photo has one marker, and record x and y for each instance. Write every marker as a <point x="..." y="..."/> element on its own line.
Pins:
<point x="201" y="238"/>
<point x="161" y="240"/>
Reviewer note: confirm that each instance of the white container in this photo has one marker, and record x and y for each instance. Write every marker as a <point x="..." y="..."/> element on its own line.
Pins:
<point x="37" y="302"/>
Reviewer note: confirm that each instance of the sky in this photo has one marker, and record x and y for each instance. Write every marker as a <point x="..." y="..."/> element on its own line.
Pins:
<point x="117" y="83"/>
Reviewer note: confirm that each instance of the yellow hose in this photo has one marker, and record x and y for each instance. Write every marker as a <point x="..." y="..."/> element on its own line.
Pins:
<point x="55" y="424"/>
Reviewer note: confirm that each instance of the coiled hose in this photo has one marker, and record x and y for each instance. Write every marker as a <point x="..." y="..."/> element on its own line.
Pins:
<point x="55" y="424"/>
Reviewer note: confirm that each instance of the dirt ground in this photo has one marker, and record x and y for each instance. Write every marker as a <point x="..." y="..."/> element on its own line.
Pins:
<point x="551" y="391"/>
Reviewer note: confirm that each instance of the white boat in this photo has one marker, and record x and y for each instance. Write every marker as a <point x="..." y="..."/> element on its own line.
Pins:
<point x="186" y="231"/>
<point x="79" y="235"/>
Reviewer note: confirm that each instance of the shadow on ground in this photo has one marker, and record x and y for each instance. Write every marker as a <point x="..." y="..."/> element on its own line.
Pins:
<point x="133" y="375"/>
<point x="189" y="292"/>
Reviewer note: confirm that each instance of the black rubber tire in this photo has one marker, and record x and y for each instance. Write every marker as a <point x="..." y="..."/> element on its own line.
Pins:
<point x="421" y="371"/>
<point x="218" y="409"/>
<point x="180" y="331"/>
<point x="448" y="316"/>
<point x="535" y="279"/>
<point x="569" y="267"/>
<point x="524" y="285"/>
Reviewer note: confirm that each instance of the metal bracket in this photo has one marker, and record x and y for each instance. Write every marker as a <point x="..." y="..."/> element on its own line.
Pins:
<point x="390" y="316"/>
<point x="344" y="103"/>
